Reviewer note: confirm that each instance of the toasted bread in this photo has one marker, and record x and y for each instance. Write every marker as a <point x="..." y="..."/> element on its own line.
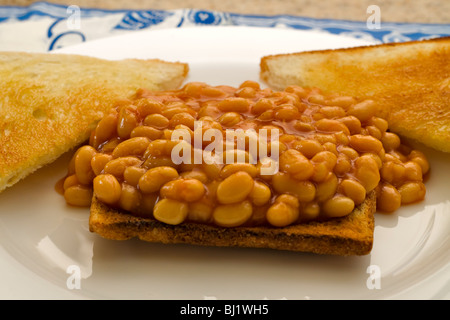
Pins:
<point x="410" y="81"/>
<point x="50" y="102"/>
<point x="350" y="235"/>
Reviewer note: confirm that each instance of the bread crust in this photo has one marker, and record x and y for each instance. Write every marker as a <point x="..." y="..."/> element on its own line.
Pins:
<point x="350" y="235"/>
<point x="51" y="102"/>
<point x="410" y="81"/>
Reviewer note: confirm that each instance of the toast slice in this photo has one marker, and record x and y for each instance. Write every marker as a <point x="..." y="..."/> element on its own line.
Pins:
<point x="50" y="102"/>
<point x="350" y="235"/>
<point x="410" y="81"/>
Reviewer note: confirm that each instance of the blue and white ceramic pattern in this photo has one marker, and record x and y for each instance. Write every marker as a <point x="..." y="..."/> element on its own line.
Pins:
<point x="43" y="26"/>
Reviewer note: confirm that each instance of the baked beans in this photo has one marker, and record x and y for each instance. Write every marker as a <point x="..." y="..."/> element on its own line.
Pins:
<point x="332" y="151"/>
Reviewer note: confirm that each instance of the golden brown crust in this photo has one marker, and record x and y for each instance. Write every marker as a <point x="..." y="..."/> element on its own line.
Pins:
<point x="410" y="81"/>
<point x="50" y="102"/>
<point x="351" y="235"/>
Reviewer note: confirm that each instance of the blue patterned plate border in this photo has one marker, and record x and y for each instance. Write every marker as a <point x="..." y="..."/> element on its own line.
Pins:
<point x="56" y="26"/>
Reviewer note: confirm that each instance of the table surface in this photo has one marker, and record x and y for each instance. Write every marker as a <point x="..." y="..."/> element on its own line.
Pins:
<point x="423" y="11"/>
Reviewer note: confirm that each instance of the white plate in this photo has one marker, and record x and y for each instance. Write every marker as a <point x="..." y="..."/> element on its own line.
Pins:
<point x="41" y="237"/>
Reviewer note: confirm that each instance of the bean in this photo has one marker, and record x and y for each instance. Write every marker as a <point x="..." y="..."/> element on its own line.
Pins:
<point x="107" y="188"/>
<point x="232" y="215"/>
<point x="170" y="211"/>
<point x="78" y="195"/>
<point x="235" y="188"/>
<point x="338" y="206"/>
<point x="155" y="178"/>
